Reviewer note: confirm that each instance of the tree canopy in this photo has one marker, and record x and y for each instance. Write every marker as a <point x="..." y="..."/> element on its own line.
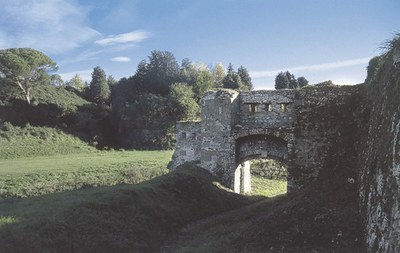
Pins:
<point x="99" y="91"/>
<point x="286" y="80"/>
<point x="245" y="79"/>
<point x="135" y="112"/>
<point x="232" y="79"/>
<point x="24" y="68"/>
<point x="76" y="82"/>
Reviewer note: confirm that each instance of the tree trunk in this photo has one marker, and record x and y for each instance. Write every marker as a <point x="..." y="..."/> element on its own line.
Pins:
<point x="26" y="92"/>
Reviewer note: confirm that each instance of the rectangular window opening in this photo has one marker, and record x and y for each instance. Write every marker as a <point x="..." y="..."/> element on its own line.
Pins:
<point x="252" y="107"/>
<point x="268" y="107"/>
<point x="283" y="107"/>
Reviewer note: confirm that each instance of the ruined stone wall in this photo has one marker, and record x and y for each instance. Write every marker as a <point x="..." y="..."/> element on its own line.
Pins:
<point x="217" y="118"/>
<point x="299" y="127"/>
<point x="266" y="109"/>
<point x="188" y="143"/>
<point x="324" y="125"/>
<point x="380" y="160"/>
<point x="349" y="134"/>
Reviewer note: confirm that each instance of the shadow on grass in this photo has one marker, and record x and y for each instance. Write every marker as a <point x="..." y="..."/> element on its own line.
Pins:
<point x="126" y="218"/>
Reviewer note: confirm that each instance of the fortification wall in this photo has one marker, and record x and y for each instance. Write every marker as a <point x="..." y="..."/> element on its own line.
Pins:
<point x="380" y="160"/>
<point x="234" y="128"/>
<point x="324" y="131"/>
<point x="188" y="143"/>
<point x="217" y="118"/>
<point x="266" y="109"/>
<point x="349" y="134"/>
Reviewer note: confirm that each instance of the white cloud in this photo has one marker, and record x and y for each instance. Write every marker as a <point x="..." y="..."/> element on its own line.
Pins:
<point x="82" y="56"/>
<point x="131" y="37"/>
<point x="121" y="59"/>
<point x="86" y="75"/>
<point x="53" y="26"/>
<point x="311" y="68"/>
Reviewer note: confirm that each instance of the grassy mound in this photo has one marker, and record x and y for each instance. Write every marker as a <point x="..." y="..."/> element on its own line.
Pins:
<point x="130" y="218"/>
<point x="32" y="141"/>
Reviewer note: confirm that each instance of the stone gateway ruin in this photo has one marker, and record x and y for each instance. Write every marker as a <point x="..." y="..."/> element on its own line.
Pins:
<point x="263" y="124"/>
<point x="348" y="134"/>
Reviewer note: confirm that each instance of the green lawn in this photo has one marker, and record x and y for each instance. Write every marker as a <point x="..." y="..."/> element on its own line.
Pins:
<point x="32" y="176"/>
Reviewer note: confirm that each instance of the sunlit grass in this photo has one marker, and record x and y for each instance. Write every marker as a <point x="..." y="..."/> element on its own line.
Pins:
<point x="32" y="176"/>
<point x="267" y="187"/>
<point x="4" y="220"/>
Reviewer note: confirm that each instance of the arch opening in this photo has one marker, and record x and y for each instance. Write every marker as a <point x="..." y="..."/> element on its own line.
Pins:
<point x="261" y="165"/>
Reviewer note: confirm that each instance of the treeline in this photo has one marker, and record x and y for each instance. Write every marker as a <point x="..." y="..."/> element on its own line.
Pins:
<point x="136" y="112"/>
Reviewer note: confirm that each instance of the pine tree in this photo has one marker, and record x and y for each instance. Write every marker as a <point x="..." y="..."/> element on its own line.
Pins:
<point x="245" y="78"/>
<point x="281" y="81"/>
<point x="99" y="92"/>
<point x="232" y="79"/>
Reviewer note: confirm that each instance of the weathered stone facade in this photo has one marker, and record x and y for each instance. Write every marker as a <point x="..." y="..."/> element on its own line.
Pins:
<point x="317" y="132"/>
<point x="380" y="160"/>
<point x="188" y="146"/>
<point x="236" y="127"/>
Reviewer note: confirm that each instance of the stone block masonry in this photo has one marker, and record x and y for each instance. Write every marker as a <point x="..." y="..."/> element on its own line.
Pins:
<point x="314" y="131"/>
<point x="237" y="127"/>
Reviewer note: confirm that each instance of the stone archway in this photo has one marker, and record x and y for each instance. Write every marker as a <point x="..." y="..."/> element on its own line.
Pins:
<point x="259" y="146"/>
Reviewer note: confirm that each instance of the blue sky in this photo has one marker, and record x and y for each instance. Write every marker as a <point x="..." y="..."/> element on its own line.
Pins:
<point x="318" y="39"/>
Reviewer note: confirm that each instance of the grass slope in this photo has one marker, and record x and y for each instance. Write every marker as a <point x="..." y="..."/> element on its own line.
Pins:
<point x="32" y="176"/>
<point x="57" y="95"/>
<point x="280" y="224"/>
<point x="32" y="141"/>
<point x="130" y="218"/>
<point x="324" y="217"/>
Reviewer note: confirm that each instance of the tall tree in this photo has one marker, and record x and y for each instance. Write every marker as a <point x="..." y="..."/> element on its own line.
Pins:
<point x="218" y="74"/>
<point x="245" y="78"/>
<point x="281" y="81"/>
<point x="292" y="80"/>
<point x="25" y="68"/>
<point x="76" y="82"/>
<point x="286" y="80"/>
<point x="188" y="72"/>
<point x="162" y="71"/>
<point x="184" y="104"/>
<point x="204" y="82"/>
<point x="111" y="82"/>
<point x="232" y="79"/>
<point x="99" y="92"/>
<point x="302" y="81"/>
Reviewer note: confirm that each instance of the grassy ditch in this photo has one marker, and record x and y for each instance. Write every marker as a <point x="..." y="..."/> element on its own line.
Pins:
<point x="125" y="218"/>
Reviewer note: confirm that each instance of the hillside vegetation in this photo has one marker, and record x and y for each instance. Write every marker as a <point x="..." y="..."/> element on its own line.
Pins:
<point x="30" y="141"/>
